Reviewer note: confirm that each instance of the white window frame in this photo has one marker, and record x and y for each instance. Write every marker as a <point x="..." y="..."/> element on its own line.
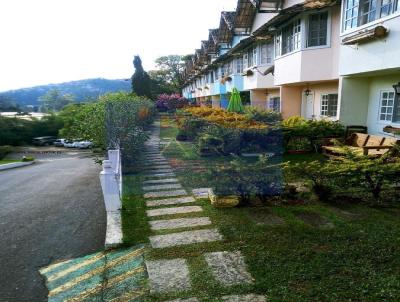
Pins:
<point x="267" y="53"/>
<point x="238" y="65"/>
<point x="271" y="105"/>
<point x="386" y="106"/>
<point x="296" y="39"/>
<point x="328" y="30"/>
<point x="356" y="13"/>
<point x="324" y="110"/>
<point x="245" y="61"/>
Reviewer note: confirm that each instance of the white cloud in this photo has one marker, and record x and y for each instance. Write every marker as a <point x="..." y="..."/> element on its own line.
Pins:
<point x="49" y="41"/>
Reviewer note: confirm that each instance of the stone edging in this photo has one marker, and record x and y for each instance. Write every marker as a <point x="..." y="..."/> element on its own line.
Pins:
<point x="15" y="165"/>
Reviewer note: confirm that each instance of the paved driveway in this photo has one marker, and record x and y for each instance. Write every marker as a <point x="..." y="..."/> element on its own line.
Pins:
<point x="49" y="211"/>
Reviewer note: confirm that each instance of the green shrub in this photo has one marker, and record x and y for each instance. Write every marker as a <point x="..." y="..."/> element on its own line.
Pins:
<point x="27" y="159"/>
<point x="262" y="115"/>
<point x="4" y="150"/>
<point x="351" y="174"/>
<point x="251" y="182"/>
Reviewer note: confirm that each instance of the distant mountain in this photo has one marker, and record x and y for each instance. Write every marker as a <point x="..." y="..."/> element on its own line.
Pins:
<point x="81" y="90"/>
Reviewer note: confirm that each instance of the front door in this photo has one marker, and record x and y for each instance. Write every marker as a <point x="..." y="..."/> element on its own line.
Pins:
<point x="307" y="106"/>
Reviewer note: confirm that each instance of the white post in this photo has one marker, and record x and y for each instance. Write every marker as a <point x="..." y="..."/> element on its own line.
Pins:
<point x="110" y="187"/>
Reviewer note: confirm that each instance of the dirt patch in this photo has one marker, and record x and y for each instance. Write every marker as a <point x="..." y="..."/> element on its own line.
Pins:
<point x="315" y="220"/>
<point x="264" y="217"/>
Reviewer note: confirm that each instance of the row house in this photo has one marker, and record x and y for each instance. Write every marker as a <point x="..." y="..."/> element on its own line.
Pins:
<point x="325" y="59"/>
<point x="370" y="64"/>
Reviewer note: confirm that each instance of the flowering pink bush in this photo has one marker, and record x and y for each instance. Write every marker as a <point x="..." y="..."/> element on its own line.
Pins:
<point x="170" y="101"/>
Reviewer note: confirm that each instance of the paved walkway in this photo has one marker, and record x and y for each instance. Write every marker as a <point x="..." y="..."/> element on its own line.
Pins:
<point x="165" y="198"/>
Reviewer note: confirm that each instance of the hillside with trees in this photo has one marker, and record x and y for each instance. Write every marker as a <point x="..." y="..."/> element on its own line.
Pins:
<point x="78" y="90"/>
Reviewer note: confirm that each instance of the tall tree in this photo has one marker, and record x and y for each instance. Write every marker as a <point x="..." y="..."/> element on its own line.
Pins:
<point x="141" y="83"/>
<point x="168" y="74"/>
<point x="54" y="100"/>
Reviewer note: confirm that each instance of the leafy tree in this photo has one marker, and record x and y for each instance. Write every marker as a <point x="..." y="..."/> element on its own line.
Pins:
<point x="17" y="131"/>
<point x="54" y="100"/>
<point x="141" y="83"/>
<point x="8" y="104"/>
<point x="112" y="122"/>
<point x="168" y="73"/>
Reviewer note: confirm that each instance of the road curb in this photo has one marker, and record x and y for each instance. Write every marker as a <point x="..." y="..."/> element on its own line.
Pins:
<point x="114" y="230"/>
<point x="15" y="165"/>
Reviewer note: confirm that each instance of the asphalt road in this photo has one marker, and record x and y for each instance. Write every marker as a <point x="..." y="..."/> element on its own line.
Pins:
<point x="50" y="211"/>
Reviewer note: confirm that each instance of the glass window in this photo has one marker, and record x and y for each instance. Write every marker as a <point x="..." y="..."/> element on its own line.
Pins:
<point x="278" y="44"/>
<point x="317" y="29"/>
<point x="255" y="56"/>
<point x="239" y="65"/>
<point x="267" y="53"/>
<point x="360" y="12"/>
<point x="274" y="103"/>
<point x="387" y="106"/>
<point x="291" y="37"/>
<point x="250" y="57"/>
<point x="329" y="104"/>
<point x="245" y="61"/>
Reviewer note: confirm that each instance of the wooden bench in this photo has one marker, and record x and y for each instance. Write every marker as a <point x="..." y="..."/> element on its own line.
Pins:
<point x="363" y="144"/>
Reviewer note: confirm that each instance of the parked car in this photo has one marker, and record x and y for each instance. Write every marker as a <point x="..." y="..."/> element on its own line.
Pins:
<point x="83" y="144"/>
<point x="69" y="144"/>
<point x="44" y="140"/>
<point x="59" y="142"/>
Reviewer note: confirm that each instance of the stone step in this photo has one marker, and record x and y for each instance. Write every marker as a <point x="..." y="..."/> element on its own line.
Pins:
<point x="168" y="275"/>
<point x="157" y="167"/>
<point x="184" y="300"/>
<point x="173" y="211"/>
<point x="185" y="238"/>
<point x="228" y="268"/>
<point x="162" y="187"/>
<point x="160" y="181"/>
<point x="159" y="171"/>
<point x="159" y="194"/>
<point x="160" y="175"/>
<point x="201" y="193"/>
<point x="243" y="298"/>
<point x="170" y="224"/>
<point x="170" y="201"/>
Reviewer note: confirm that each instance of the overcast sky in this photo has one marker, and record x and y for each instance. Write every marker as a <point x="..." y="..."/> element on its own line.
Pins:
<point x="52" y="41"/>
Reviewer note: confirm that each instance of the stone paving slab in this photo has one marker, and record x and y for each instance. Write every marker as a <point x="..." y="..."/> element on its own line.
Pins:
<point x="165" y="194"/>
<point x="160" y="175"/>
<point x="170" y="201"/>
<point x="164" y="170"/>
<point x="244" y="298"/>
<point x="173" y="211"/>
<point x="228" y="268"/>
<point x="169" y="224"/>
<point x="155" y="162"/>
<point x="162" y="187"/>
<point x="157" y="167"/>
<point x="184" y="300"/>
<point x="168" y="275"/>
<point x="201" y="192"/>
<point x="184" y="238"/>
<point x="161" y="181"/>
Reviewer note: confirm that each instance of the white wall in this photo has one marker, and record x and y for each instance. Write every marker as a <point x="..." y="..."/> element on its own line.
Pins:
<point x="377" y="85"/>
<point x="312" y="64"/>
<point x="374" y="55"/>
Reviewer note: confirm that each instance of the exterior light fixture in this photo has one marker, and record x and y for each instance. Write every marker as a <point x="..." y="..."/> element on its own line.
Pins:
<point x="397" y="88"/>
<point x="307" y="92"/>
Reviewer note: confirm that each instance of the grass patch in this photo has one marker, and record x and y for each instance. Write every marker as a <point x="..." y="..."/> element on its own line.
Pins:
<point x="9" y="161"/>
<point x="358" y="259"/>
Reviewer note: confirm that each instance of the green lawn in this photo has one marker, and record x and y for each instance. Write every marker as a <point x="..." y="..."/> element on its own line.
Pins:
<point x="318" y="252"/>
<point x="8" y="161"/>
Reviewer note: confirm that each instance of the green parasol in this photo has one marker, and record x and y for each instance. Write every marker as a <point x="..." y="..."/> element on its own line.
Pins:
<point x="235" y="103"/>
